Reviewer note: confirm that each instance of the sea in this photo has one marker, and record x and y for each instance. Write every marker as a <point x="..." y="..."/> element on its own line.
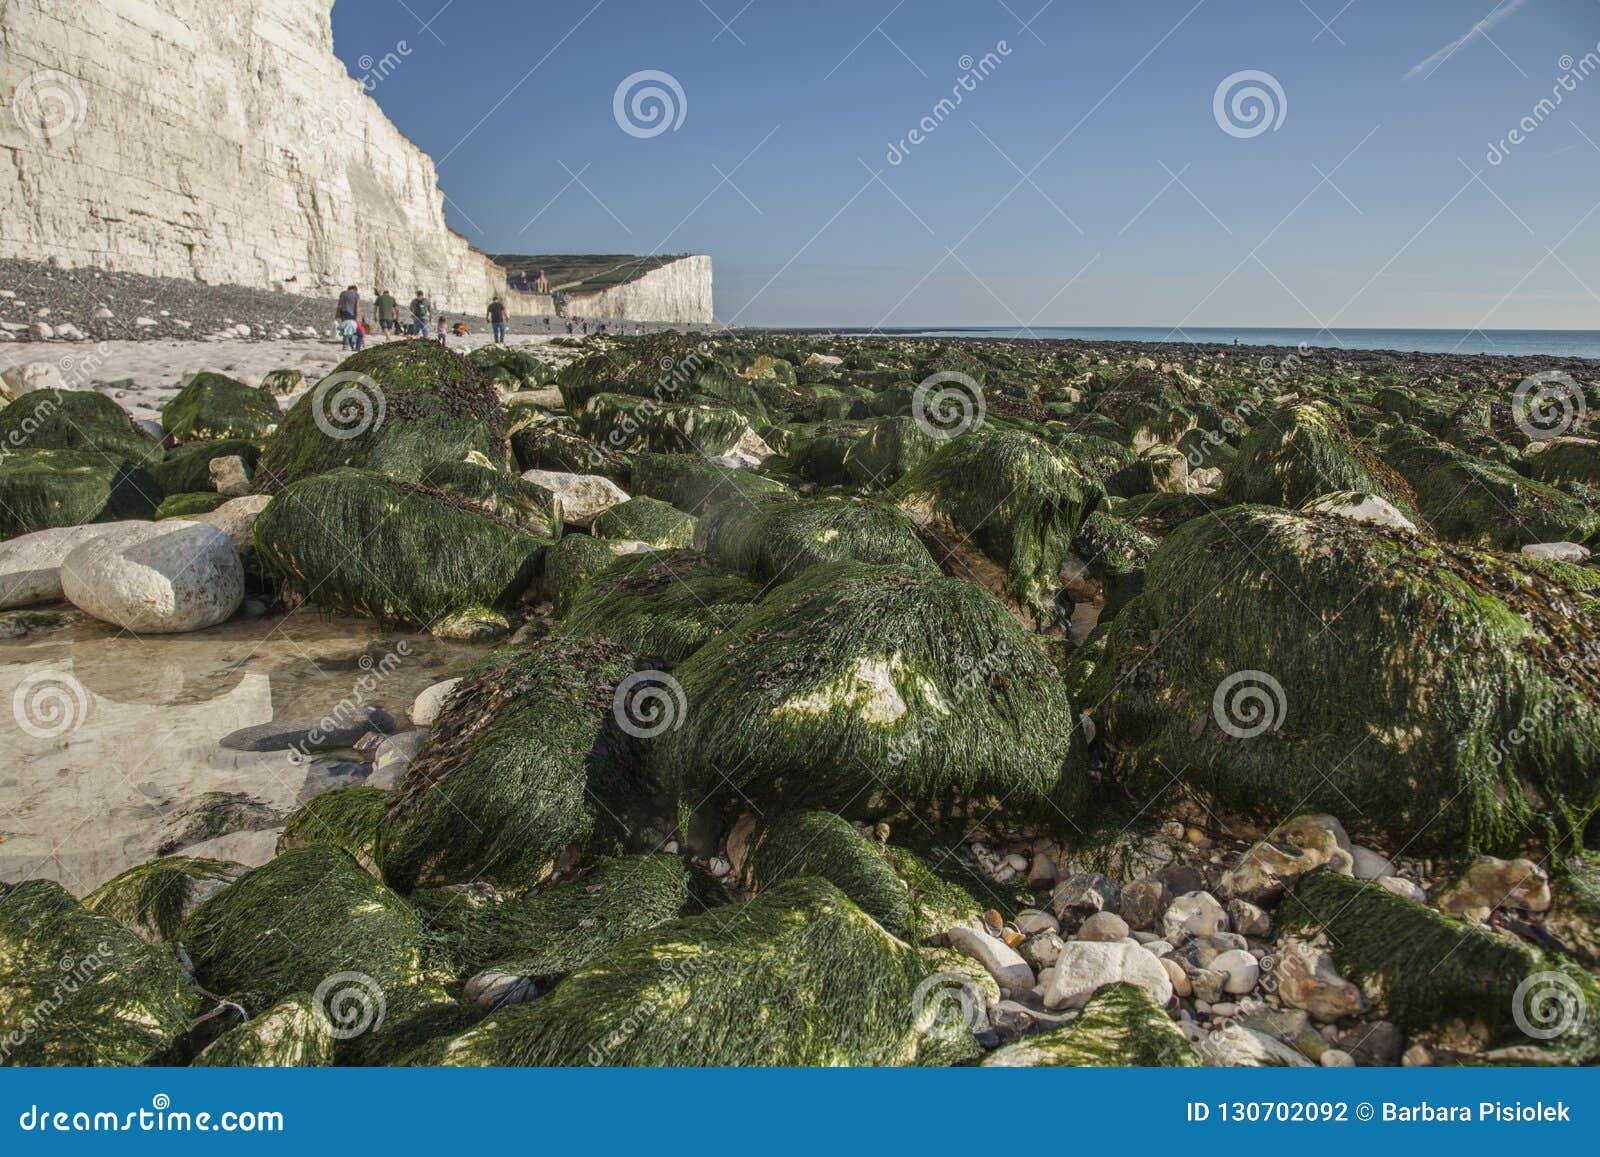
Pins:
<point x="1551" y="343"/>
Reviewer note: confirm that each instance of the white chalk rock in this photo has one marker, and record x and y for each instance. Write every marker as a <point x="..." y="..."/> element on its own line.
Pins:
<point x="1557" y="551"/>
<point x="30" y="376"/>
<point x="1372" y="509"/>
<point x="1008" y="968"/>
<point x="583" y="496"/>
<point x="156" y="577"/>
<point x="1086" y="966"/>
<point x="30" y="565"/>
<point x="425" y="708"/>
<point x="236" y="518"/>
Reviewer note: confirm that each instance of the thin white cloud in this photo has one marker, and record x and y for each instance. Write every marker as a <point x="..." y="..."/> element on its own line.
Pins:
<point x="1501" y="12"/>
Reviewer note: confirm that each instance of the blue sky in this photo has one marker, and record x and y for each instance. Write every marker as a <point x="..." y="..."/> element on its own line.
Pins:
<point x="1085" y="180"/>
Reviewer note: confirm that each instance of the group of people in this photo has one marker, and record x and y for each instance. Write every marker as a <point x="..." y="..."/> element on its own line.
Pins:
<point x="353" y="328"/>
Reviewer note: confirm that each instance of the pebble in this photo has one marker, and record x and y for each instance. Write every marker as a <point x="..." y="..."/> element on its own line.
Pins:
<point x="1240" y="969"/>
<point x="1403" y="887"/>
<point x="1338" y="1059"/>
<point x="1368" y="864"/>
<point x="1104" y="926"/>
<point x="1003" y="963"/>
<point x="1193" y="914"/>
<point x="1031" y="920"/>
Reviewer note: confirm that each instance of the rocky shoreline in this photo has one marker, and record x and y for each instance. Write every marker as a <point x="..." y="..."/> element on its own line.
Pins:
<point x="832" y="701"/>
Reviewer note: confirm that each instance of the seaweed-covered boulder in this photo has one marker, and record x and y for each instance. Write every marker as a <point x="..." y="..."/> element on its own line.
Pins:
<point x="772" y="541"/>
<point x="524" y="760"/>
<point x="627" y="424"/>
<point x="155" y="898"/>
<point x="887" y="451"/>
<point x="1432" y="972"/>
<point x="1466" y="718"/>
<point x="156" y="577"/>
<point x="396" y="409"/>
<point x="937" y="904"/>
<point x="647" y="520"/>
<point x="187" y="468"/>
<point x="822" y="844"/>
<point x="662" y="366"/>
<point x="559" y="451"/>
<point x="1564" y="460"/>
<point x="294" y="1033"/>
<point x="347" y="818"/>
<point x="311" y="920"/>
<point x="1487" y="504"/>
<point x="537" y="938"/>
<point x="216" y="406"/>
<point x="186" y="505"/>
<point x="1001" y="508"/>
<point x="570" y="564"/>
<point x="797" y="976"/>
<point x="1121" y="1026"/>
<point x="80" y="989"/>
<point x="1303" y="451"/>
<point x="80" y="420"/>
<point x="661" y="605"/>
<point x="394" y="551"/>
<point x="696" y="485"/>
<point x="501" y="495"/>
<point x="45" y="489"/>
<point x="873" y="688"/>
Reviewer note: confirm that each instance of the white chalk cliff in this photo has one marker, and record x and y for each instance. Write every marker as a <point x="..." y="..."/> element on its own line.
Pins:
<point x="226" y="142"/>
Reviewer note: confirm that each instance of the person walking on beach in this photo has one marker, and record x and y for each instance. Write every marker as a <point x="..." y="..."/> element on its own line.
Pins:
<point x="348" y="309"/>
<point x="420" y="310"/>
<point x="498" y="317"/>
<point x="388" y="312"/>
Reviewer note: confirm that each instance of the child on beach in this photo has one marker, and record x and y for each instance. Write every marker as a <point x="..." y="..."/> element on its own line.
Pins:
<point x="349" y="334"/>
<point x="443" y="330"/>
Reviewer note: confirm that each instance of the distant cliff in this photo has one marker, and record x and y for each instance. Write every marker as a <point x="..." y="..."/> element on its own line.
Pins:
<point x="226" y="142"/>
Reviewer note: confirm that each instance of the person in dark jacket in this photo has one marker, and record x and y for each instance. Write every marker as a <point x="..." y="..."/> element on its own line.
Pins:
<point x="498" y="316"/>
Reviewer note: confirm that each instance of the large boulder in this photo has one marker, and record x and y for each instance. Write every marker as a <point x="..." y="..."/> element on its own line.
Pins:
<point x="215" y="406"/>
<point x="396" y="409"/>
<point x="1001" y="508"/>
<point x="798" y="976"/>
<point x="662" y="605"/>
<point x="697" y="485"/>
<point x="580" y="497"/>
<point x="1305" y="450"/>
<point x="156" y="578"/>
<point x="1430" y="972"/>
<point x="874" y="689"/>
<point x="772" y="541"/>
<point x="30" y="564"/>
<point x="84" y="421"/>
<point x="394" y="551"/>
<point x="525" y="759"/>
<point x="155" y="898"/>
<point x="628" y="424"/>
<point x="501" y="495"/>
<point x="813" y="843"/>
<point x="1442" y="698"/>
<point x="311" y="920"/>
<point x="81" y="989"/>
<point x="45" y="489"/>
<point x="647" y="520"/>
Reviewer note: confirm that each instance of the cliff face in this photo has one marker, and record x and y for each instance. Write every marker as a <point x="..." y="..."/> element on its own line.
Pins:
<point x="219" y="141"/>
<point x="680" y="291"/>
